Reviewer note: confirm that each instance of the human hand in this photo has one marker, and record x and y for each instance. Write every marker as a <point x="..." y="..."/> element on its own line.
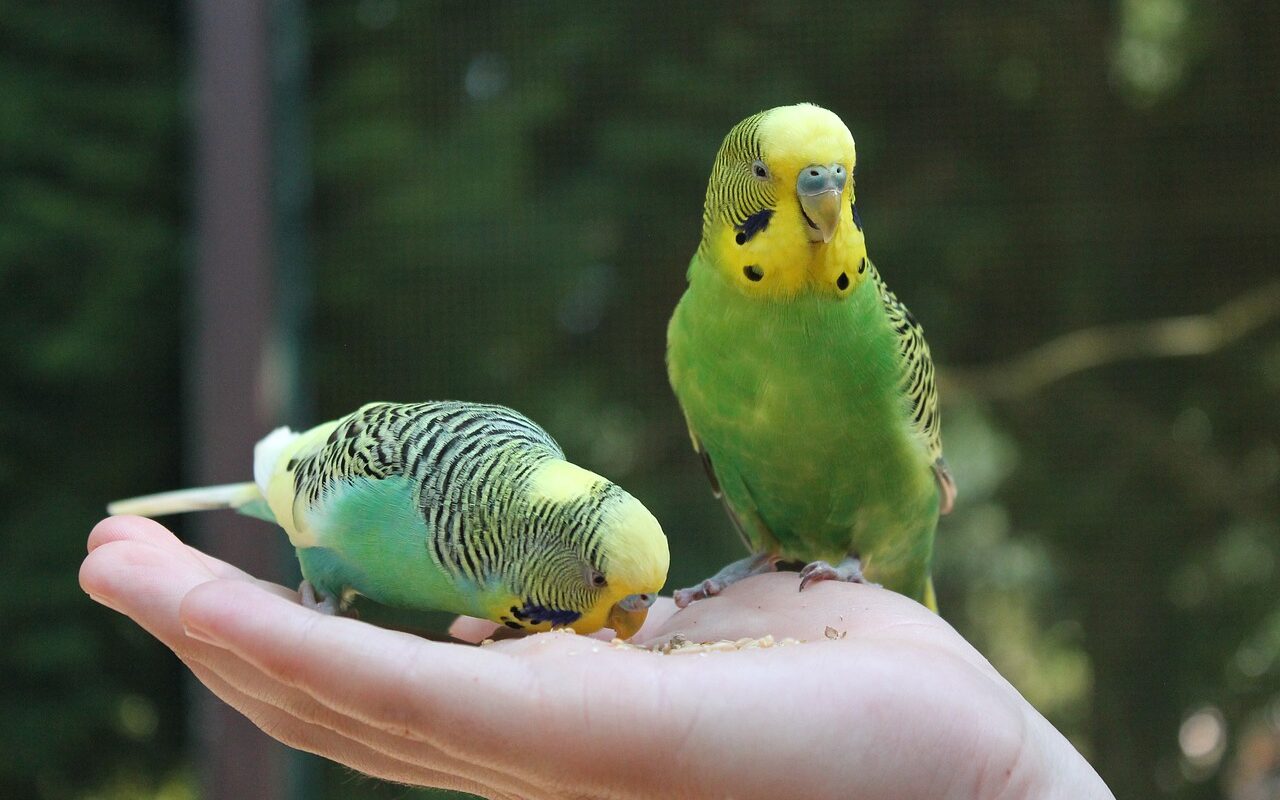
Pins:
<point x="900" y="707"/>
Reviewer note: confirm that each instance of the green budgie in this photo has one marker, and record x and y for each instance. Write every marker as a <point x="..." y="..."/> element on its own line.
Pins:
<point x="806" y="384"/>
<point x="453" y="506"/>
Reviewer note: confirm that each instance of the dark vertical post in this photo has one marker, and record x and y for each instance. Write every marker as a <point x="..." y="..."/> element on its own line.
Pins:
<point x="291" y="159"/>
<point x="291" y="196"/>
<point x="232" y="395"/>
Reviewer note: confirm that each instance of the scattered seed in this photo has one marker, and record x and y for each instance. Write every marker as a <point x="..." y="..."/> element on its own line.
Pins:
<point x="681" y="645"/>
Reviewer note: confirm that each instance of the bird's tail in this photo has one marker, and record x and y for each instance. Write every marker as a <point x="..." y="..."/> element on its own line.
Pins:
<point x="247" y="498"/>
<point x="206" y="498"/>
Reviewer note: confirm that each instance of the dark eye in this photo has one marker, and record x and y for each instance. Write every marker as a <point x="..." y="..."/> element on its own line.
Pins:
<point x="760" y="170"/>
<point x="596" y="578"/>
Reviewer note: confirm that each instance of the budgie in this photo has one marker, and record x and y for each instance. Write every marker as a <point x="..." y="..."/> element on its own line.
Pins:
<point x="453" y="506"/>
<point x="807" y="386"/>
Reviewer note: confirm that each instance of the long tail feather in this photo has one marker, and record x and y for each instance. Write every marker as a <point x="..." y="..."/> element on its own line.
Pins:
<point x="205" y="498"/>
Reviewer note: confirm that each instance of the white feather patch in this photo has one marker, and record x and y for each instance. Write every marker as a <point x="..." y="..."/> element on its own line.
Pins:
<point x="266" y="454"/>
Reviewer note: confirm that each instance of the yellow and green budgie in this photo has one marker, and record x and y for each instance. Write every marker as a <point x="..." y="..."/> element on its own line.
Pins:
<point x="806" y="384"/>
<point x="454" y="506"/>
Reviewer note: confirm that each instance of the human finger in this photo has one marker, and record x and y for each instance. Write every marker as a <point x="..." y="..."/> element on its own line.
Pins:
<point x="438" y="693"/>
<point x="269" y="695"/>
<point x="148" y="531"/>
<point x="148" y="583"/>
<point x="303" y="735"/>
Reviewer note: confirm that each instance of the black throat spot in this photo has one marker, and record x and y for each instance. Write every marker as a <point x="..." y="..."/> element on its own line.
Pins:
<point x="535" y="613"/>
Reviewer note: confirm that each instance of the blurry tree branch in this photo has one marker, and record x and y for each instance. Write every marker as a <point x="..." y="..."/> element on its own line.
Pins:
<point x="1203" y="475"/>
<point x="1200" y="334"/>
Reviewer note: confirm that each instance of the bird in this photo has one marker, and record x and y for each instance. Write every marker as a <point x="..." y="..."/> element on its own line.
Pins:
<point x="807" y="385"/>
<point x="454" y="506"/>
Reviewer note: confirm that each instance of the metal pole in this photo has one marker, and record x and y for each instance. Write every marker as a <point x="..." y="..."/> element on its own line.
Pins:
<point x="291" y="198"/>
<point x="232" y="396"/>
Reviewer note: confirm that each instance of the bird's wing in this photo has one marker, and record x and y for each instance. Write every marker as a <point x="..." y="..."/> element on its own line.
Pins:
<point x="315" y="466"/>
<point x="919" y="390"/>
<point x="745" y="520"/>
<point x="362" y="444"/>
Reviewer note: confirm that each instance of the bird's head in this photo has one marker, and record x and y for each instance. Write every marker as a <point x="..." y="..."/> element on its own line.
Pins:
<point x="633" y="562"/>
<point x="780" y="217"/>
<point x="606" y="560"/>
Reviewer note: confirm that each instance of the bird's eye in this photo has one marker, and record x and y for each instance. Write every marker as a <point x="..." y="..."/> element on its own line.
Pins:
<point x="760" y="170"/>
<point x="596" y="578"/>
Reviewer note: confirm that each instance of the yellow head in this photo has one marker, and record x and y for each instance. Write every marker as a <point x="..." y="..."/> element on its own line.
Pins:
<point x="602" y="557"/>
<point x="780" y="218"/>
<point x="633" y="561"/>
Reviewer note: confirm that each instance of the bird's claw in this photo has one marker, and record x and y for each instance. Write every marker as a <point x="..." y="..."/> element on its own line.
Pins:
<point x="708" y="588"/>
<point x="754" y="564"/>
<point x="310" y="598"/>
<point x="849" y="571"/>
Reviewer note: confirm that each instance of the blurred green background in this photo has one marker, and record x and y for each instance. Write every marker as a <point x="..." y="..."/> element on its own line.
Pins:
<point x="505" y="197"/>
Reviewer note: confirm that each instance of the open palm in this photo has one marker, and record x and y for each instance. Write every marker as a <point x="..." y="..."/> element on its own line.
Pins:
<point x="890" y="702"/>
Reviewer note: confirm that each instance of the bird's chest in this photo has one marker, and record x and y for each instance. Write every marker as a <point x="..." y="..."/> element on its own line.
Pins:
<point x="803" y="405"/>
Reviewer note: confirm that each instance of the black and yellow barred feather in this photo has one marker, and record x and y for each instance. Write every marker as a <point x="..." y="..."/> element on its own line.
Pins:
<point x="735" y="193"/>
<point x="918" y="379"/>
<point x="919" y="384"/>
<point x="472" y="465"/>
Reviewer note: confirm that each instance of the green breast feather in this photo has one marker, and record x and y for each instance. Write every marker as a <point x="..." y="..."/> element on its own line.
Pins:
<point x="817" y="423"/>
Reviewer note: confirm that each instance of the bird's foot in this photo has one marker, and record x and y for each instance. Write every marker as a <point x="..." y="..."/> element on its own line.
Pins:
<point x="708" y="588"/>
<point x="731" y="574"/>
<point x="312" y="600"/>
<point x="849" y="571"/>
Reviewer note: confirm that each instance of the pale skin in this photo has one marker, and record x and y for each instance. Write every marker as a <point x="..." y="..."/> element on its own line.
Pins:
<point x="900" y="707"/>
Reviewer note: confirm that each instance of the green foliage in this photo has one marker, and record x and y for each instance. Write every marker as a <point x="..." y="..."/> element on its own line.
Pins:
<point x="90" y="171"/>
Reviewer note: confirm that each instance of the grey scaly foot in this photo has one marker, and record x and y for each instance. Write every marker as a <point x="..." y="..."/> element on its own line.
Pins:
<point x="310" y="598"/>
<point x="751" y="565"/>
<point x="849" y="571"/>
<point x="708" y="588"/>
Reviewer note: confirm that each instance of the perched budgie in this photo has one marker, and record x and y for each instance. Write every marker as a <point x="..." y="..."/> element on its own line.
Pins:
<point x="453" y="506"/>
<point x="806" y="384"/>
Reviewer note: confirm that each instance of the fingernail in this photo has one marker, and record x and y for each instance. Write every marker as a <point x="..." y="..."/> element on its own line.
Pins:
<point x="199" y="635"/>
<point x="99" y="599"/>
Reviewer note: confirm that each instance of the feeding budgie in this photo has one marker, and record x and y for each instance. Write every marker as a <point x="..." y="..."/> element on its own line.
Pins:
<point x="807" y="386"/>
<point x="453" y="506"/>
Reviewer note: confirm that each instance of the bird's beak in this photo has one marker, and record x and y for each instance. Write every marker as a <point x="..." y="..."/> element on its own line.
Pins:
<point x="628" y="614"/>
<point x="820" y="189"/>
<point x="823" y="211"/>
